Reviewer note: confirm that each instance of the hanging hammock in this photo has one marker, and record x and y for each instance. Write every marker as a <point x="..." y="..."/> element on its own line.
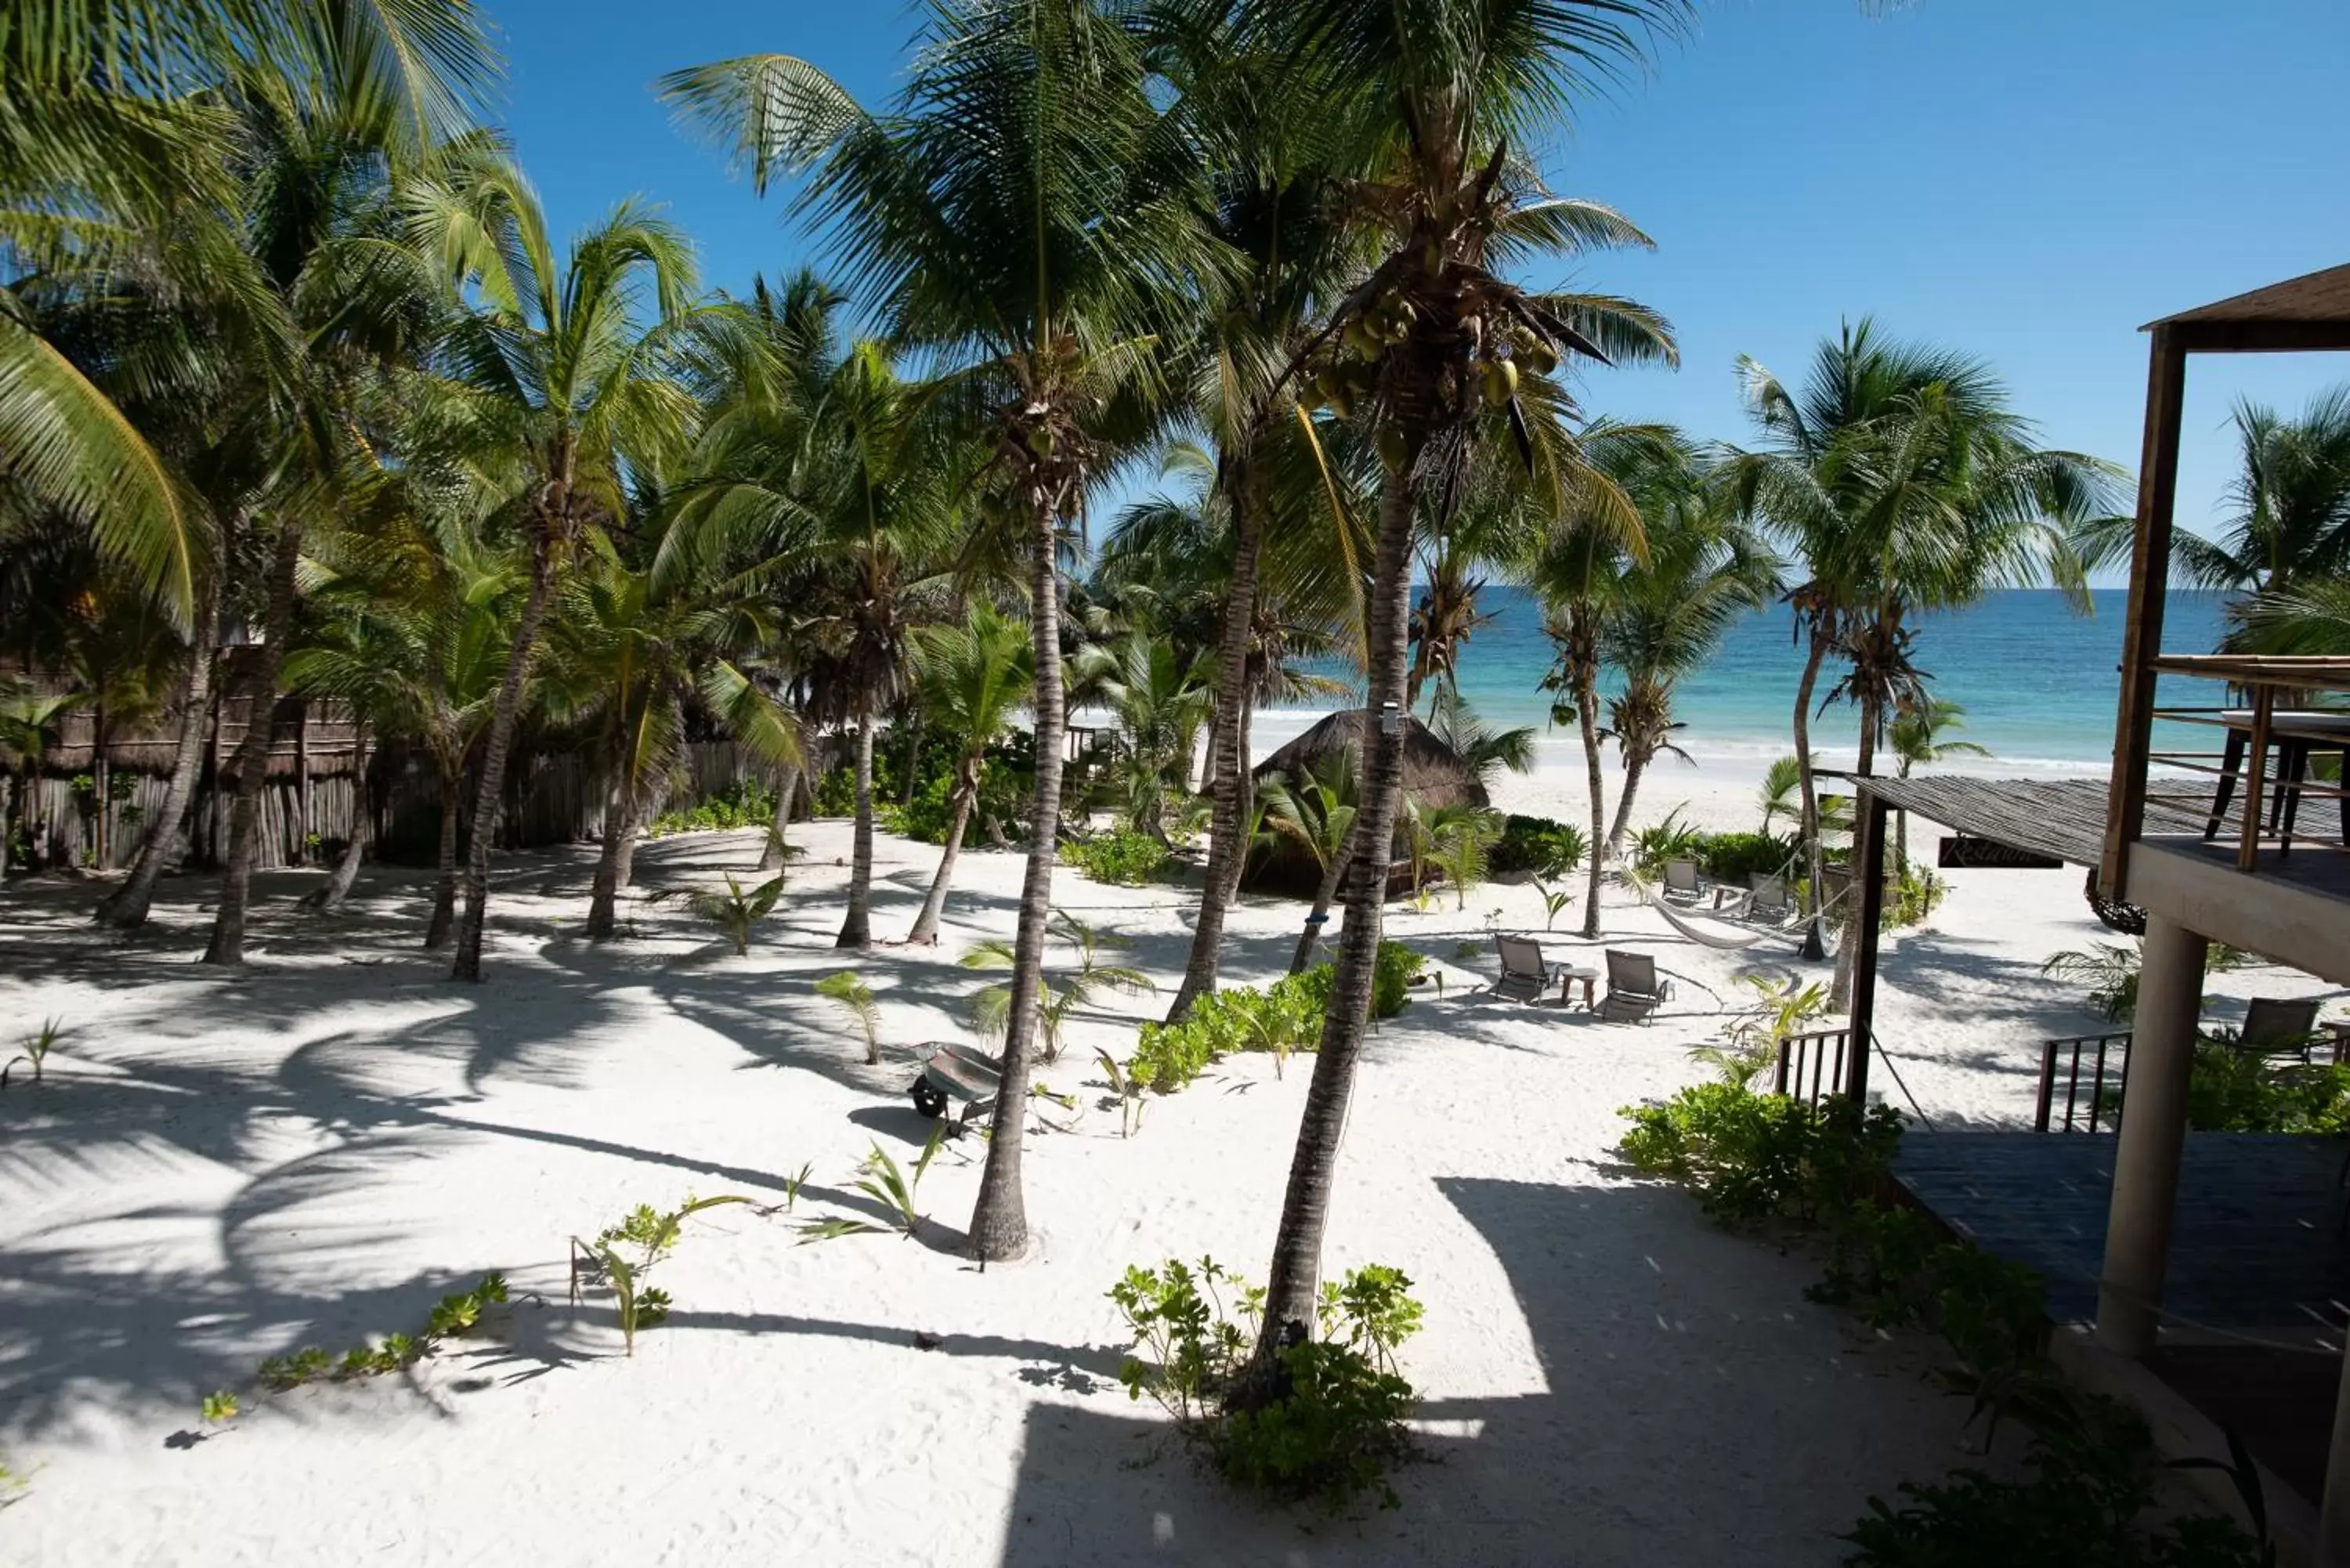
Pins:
<point x="1722" y="938"/>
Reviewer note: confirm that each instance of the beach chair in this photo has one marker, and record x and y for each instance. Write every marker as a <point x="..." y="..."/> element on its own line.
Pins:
<point x="1525" y="976"/>
<point x="1765" y="899"/>
<point x="2275" y="1026"/>
<point x="1682" y="883"/>
<point x="1634" y="990"/>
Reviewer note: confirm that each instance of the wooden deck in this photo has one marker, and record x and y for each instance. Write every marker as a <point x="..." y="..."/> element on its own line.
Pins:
<point x="2255" y="1248"/>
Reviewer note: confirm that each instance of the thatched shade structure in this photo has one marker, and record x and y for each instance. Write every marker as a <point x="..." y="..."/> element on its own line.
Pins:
<point x="1432" y="775"/>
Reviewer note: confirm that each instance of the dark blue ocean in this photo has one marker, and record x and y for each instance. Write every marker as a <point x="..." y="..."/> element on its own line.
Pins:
<point x="2039" y="682"/>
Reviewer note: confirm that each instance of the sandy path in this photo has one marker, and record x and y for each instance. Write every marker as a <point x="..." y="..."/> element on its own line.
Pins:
<point x="224" y="1169"/>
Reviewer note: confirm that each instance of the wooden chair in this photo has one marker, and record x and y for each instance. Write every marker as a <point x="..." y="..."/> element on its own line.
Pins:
<point x="1633" y="990"/>
<point x="1525" y="975"/>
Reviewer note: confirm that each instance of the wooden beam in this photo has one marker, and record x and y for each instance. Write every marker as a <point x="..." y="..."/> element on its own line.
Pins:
<point x="2157" y="495"/>
<point x="2258" y="336"/>
<point x="1869" y="850"/>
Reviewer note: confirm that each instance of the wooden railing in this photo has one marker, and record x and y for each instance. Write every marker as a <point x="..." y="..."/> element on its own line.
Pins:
<point x="1812" y="1064"/>
<point x="2254" y="787"/>
<point x="2061" y="1063"/>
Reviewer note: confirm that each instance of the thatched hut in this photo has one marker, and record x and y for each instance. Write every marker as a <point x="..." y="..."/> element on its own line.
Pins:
<point x="1432" y="775"/>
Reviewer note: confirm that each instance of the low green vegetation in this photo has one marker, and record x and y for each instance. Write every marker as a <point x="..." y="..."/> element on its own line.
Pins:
<point x="1751" y="1042"/>
<point x="1331" y="1426"/>
<point x="453" y="1316"/>
<point x="736" y="910"/>
<point x="1537" y="844"/>
<point x="2230" y="1089"/>
<point x="2088" y="1496"/>
<point x="746" y="802"/>
<point x="882" y="1180"/>
<point x="1121" y="857"/>
<point x="1733" y="857"/>
<point x="2111" y="971"/>
<point x="856" y="998"/>
<point x="623" y="1254"/>
<point x="1282" y="1017"/>
<point x="1061" y="990"/>
<point x="33" y="1050"/>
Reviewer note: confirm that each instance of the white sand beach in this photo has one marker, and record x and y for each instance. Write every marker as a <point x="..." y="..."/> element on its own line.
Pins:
<point x="224" y="1167"/>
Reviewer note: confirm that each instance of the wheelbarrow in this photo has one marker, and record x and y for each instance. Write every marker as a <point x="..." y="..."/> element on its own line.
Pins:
<point x="953" y="1073"/>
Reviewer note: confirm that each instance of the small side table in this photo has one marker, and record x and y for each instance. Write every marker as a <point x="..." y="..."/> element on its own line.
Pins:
<point x="1569" y="973"/>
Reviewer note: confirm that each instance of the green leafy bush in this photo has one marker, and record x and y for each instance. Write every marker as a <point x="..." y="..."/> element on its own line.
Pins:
<point x="1121" y="857"/>
<point x="454" y="1316"/>
<point x="622" y="1254"/>
<point x="1331" y="1425"/>
<point x="1671" y="840"/>
<point x="1750" y="1157"/>
<point x="928" y="818"/>
<point x="1911" y="900"/>
<point x="2233" y="1090"/>
<point x="1537" y="844"/>
<point x="1391" y="976"/>
<point x="746" y="802"/>
<point x="835" y="794"/>
<point x="1286" y="1016"/>
<point x="1735" y="856"/>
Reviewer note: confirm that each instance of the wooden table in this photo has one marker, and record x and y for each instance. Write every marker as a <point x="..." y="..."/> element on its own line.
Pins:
<point x="1568" y="974"/>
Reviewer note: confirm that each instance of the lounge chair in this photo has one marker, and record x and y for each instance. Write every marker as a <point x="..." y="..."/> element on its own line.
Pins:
<point x="2274" y="1026"/>
<point x="1634" y="992"/>
<point x="1525" y="975"/>
<point x="1681" y="882"/>
<point x="1765" y="899"/>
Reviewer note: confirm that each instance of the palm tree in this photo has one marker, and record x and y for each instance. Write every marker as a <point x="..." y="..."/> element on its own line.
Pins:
<point x="557" y="389"/>
<point x="1025" y="212"/>
<point x="1905" y="484"/>
<point x="990" y="1006"/>
<point x="1160" y="706"/>
<point x="973" y="679"/>
<point x="1781" y="780"/>
<point x="1486" y="752"/>
<point x="1917" y="738"/>
<point x="29" y="723"/>
<point x="1446" y="98"/>
<point x="1318" y="814"/>
<point x="1705" y="569"/>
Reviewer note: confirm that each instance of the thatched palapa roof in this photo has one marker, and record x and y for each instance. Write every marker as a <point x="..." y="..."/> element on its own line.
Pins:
<point x="1432" y="775"/>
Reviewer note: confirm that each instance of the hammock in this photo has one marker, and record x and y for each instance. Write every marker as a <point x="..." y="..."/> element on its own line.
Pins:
<point x="1726" y="940"/>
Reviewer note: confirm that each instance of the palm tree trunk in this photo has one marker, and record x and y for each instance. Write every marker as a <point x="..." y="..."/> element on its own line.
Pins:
<point x="490" y="795"/>
<point x="857" y="926"/>
<point x="444" y="890"/>
<point x="227" y="945"/>
<point x="1848" y="953"/>
<point x="1635" y="765"/>
<point x="127" y="908"/>
<point x="1228" y="762"/>
<point x="347" y="870"/>
<point x="1331" y="875"/>
<point x="102" y="776"/>
<point x="1815" y="861"/>
<point x="620" y="827"/>
<point x="1294" y="1280"/>
<point x="773" y="857"/>
<point x="934" y="903"/>
<point x="1586" y="714"/>
<point x="999" y="1222"/>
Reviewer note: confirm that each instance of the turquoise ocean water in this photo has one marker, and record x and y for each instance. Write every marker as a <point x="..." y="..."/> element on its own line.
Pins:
<point x="2039" y="681"/>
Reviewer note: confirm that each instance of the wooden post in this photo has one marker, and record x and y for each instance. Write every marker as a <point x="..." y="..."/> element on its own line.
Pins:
<point x="302" y="803"/>
<point x="1870" y="848"/>
<point x="2157" y="495"/>
<point x="2248" y="845"/>
<point x="2152" y="1135"/>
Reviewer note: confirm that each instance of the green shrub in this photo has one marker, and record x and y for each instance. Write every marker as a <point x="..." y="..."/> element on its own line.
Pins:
<point x="746" y="802"/>
<point x="2087" y="1499"/>
<point x="835" y="794"/>
<point x="2233" y="1090"/>
<point x="1121" y="857"/>
<point x="1333" y="1426"/>
<point x="1750" y="1157"/>
<point x="926" y="821"/>
<point x="1536" y="845"/>
<point x="1918" y="895"/>
<point x="1286" y="1016"/>
<point x="1735" y="856"/>
<point x="1671" y="840"/>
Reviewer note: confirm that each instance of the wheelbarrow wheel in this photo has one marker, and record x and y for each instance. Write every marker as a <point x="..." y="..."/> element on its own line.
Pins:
<point x="929" y="1098"/>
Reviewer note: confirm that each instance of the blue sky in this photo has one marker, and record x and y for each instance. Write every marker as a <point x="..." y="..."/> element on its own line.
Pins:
<point x="2027" y="180"/>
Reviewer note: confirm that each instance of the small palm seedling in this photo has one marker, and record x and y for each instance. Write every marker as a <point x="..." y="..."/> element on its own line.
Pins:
<point x="622" y="1254"/>
<point x="1555" y="899"/>
<point x="990" y="1008"/>
<point x="1751" y="1043"/>
<point x="792" y="1184"/>
<point x="735" y="911"/>
<point x="35" y="1050"/>
<point x="849" y="988"/>
<point x="221" y="1409"/>
<point x="882" y="1180"/>
<point x="1129" y="1093"/>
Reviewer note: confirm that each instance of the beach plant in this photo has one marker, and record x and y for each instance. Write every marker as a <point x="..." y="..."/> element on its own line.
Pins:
<point x="33" y="1050"/>
<point x="1735" y="856"/>
<point x="1751" y="1042"/>
<point x="1334" y="1426"/>
<point x="221" y="1407"/>
<point x="1065" y="989"/>
<point x="1460" y="838"/>
<point x="746" y="802"/>
<point x="1782" y="780"/>
<point x="793" y="1183"/>
<point x="1554" y="900"/>
<point x="856" y="998"/>
<point x="624" y="1252"/>
<point x="1671" y="840"/>
<point x="882" y="1180"/>
<point x="1122" y="857"/>
<point x="735" y="910"/>
<point x="1128" y="1092"/>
